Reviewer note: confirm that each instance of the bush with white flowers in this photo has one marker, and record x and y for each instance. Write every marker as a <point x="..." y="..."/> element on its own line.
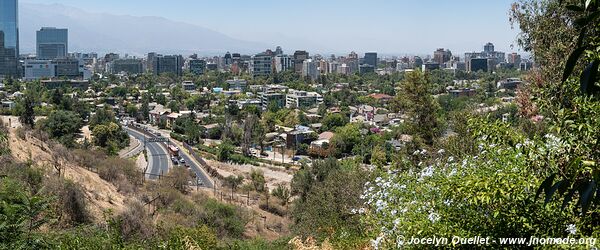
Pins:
<point x="490" y="194"/>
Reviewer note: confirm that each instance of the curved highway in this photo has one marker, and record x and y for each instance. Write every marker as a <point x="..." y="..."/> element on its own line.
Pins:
<point x="159" y="159"/>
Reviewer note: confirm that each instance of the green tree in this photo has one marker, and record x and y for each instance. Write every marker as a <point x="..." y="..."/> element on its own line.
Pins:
<point x="419" y="104"/>
<point x="27" y="115"/>
<point x="63" y="126"/>
<point x="258" y="179"/>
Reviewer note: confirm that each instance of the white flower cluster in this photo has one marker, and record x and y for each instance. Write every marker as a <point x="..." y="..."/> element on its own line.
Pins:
<point x="392" y="200"/>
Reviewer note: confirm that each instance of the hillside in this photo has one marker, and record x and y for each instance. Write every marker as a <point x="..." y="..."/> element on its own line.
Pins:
<point x="100" y="194"/>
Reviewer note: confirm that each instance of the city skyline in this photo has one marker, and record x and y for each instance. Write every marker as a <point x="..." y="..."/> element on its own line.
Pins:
<point x="426" y="24"/>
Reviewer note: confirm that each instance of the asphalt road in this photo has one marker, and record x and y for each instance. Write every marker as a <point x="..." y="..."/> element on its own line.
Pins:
<point x="159" y="160"/>
<point x="158" y="156"/>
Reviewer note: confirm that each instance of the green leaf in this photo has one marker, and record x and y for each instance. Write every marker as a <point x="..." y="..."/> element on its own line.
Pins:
<point x="571" y="62"/>
<point x="588" y="78"/>
<point x="561" y="185"/>
<point x="587" y="3"/>
<point x="587" y="194"/>
<point x="569" y="197"/>
<point x="585" y="21"/>
<point x="575" y="8"/>
<point x="545" y="186"/>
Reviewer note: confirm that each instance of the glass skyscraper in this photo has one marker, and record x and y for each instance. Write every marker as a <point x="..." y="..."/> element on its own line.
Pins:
<point x="9" y="38"/>
<point x="52" y="43"/>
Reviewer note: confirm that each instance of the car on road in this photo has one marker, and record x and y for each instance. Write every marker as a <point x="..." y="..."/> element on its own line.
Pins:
<point x="175" y="161"/>
<point x="181" y="160"/>
<point x="158" y="134"/>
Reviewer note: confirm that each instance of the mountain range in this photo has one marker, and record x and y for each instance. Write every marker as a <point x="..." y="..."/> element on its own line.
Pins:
<point x="102" y="32"/>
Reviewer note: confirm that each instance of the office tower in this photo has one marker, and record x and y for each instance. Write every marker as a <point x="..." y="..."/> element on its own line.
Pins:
<point x="278" y="51"/>
<point x="69" y="68"/>
<point x="228" y="59"/>
<point x="441" y="56"/>
<point x="299" y="57"/>
<point x="197" y="66"/>
<point x="261" y="65"/>
<point x="150" y="62"/>
<point x="129" y="66"/>
<point x="168" y="64"/>
<point x="478" y="64"/>
<point x="309" y="69"/>
<point x="371" y="59"/>
<point x="9" y="38"/>
<point x="52" y="43"/>
<point x="488" y="48"/>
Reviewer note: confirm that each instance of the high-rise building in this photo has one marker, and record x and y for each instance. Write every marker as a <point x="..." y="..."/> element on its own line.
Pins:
<point x="129" y="66"/>
<point x="478" y="64"/>
<point x="9" y="38"/>
<point x="309" y="69"/>
<point x="168" y="64"/>
<point x="52" y="43"/>
<point x="278" y="51"/>
<point x="197" y="66"/>
<point x="492" y="57"/>
<point x="228" y="59"/>
<point x="488" y="48"/>
<point x="299" y="57"/>
<point x="441" y="56"/>
<point x="283" y="63"/>
<point x="371" y="59"/>
<point x="150" y="61"/>
<point x="261" y="65"/>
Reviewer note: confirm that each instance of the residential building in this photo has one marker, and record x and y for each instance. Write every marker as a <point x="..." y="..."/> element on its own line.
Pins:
<point x="188" y="86"/>
<point x="236" y="83"/>
<point x="299" y="57"/>
<point x="283" y="63"/>
<point x="309" y="69"/>
<point x="150" y="61"/>
<point x="442" y="56"/>
<point x="272" y="98"/>
<point x="52" y="43"/>
<point x="510" y="83"/>
<point x="261" y="65"/>
<point x="9" y="38"/>
<point x="303" y="99"/>
<point x="57" y="84"/>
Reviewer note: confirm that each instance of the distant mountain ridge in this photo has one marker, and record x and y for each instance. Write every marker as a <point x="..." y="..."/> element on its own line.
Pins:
<point x="102" y="33"/>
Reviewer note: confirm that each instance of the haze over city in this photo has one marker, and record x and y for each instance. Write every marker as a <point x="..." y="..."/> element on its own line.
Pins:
<point x="389" y="27"/>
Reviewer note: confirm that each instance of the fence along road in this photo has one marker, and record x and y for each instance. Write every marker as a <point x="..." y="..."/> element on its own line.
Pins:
<point x="159" y="159"/>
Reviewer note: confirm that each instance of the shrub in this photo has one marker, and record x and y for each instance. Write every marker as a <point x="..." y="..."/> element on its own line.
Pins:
<point x="135" y="222"/>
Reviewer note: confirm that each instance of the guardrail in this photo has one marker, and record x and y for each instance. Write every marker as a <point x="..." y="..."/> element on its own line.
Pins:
<point x="210" y="170"/>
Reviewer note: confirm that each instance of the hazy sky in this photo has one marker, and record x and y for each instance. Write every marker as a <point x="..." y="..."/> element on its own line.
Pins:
<point x="386" y="26"/>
